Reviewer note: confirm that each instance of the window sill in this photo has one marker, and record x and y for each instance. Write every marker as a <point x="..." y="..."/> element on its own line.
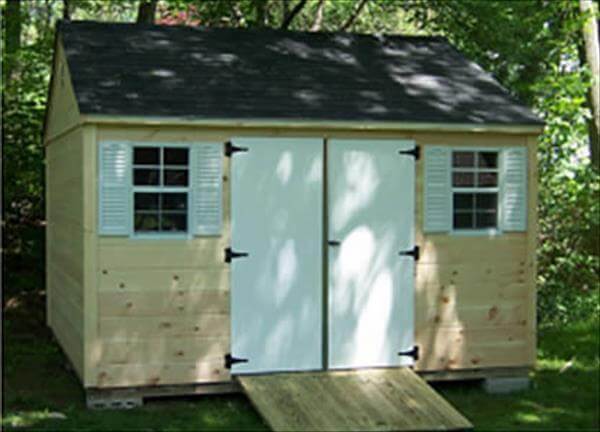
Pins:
<point x="158" y="236"/>
<point x="493" y="232"/>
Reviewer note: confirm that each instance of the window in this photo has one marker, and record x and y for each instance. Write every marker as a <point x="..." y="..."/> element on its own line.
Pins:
<point x="160" y="189"/>
<point x="475" y="190"/>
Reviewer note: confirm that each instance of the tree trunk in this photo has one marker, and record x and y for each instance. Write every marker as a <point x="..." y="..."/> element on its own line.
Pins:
<point x="146" y="11"/>
<point x="236" y="13"/>
<point x="261" y="12"/>
<point x="354" y="16"/>
<point x="66" y="10"/>
<point x="290" y="17"/>
<point x="318" y="22"/>
<point x="14" y="25"/>
<point x="591" y="47"/>
<point x="285" y="9"/>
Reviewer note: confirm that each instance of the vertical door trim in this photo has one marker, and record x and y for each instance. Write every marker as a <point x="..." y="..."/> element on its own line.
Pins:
<point x="325" y="254"/>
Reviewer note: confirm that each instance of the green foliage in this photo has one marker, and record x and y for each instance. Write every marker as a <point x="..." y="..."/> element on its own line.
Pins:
<point x="569" y="203"/>
<point x="374" y="16"/>
<point x="22" y="117"/>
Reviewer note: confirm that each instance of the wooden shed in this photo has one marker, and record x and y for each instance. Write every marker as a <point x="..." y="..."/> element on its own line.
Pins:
<point x="225" y="204"/>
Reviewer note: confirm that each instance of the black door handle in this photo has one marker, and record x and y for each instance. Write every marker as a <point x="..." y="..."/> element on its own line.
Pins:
<point x="334" y="242"/>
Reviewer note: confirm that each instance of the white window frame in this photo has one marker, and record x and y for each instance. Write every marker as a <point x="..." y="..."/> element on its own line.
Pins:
<point x="161" y="189"/>
<point x="497" y="190"/>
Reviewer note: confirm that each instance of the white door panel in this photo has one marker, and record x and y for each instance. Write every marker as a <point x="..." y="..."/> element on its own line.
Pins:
<point x="276" y="292"/>
<point x="371" y="287"/>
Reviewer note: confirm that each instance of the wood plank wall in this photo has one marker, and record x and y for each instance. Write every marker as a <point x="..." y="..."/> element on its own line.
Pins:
<point x="64" y="244"/>
<point x="63" y="111"/>
<point x="475" y="296"/>
<point x="162" y="307"/>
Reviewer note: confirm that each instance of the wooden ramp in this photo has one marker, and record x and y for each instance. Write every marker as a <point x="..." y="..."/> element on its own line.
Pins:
<point x="370" y="400"/>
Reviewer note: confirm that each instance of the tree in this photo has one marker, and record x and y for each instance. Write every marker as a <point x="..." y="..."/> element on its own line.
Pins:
<point x="290" y="16"/>
<point x="13" y="30"/>
<point x="590" y="55"/>
<point x="66" y="10"/>
<point x="354" y="15"/>
<point x="146" y="11"/>
<point x="318" y="22"/>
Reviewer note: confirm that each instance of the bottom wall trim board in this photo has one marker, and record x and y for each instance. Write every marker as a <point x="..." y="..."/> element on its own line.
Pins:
<point x="132" y="397"/>
<point x="475" y="374"/>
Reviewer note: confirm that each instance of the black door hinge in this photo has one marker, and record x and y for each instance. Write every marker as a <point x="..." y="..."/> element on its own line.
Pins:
<point x="414" y="252"/>
<point x="413" y="352"/>
<point x="416" y="152"/>
<point x="230" y="254"/>
<point x="230" y="360"/>
<point x="231" y="149"/>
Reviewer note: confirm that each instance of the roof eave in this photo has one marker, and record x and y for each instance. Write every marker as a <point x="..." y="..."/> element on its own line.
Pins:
<point x="312" y="124"/>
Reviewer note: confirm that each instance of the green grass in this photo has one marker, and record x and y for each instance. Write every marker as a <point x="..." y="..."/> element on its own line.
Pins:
<point x="568" y="400"/>
<point x="38" y="386"/>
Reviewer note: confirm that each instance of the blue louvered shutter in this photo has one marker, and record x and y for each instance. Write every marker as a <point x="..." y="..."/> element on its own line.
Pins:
<point x="207" y="173"/>
<point x="513" y="208"/>
<point x="114" y="188"/>
<point x="437" y="200"/>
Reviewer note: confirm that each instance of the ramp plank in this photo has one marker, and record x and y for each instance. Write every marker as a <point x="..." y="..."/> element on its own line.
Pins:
<point x="370" y="399"/>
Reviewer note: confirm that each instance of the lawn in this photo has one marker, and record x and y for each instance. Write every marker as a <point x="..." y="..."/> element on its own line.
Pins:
<point x="39" y="388"/>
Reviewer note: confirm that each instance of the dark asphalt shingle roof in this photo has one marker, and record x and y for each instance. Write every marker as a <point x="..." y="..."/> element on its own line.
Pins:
<point x="204" y="73"/>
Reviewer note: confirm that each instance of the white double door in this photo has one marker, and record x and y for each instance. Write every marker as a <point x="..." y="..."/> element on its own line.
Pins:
<point x="282" y="316"/>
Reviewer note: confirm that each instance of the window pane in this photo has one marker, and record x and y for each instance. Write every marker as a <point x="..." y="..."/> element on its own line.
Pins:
<point x="175" y="177"/>
<point x="463" y="220"/>
<point x="174" y="201"/>
<point x="146" y="222"/>
<point x="174" y="222"/>
<point x="464" y="201"/>
<point x="463" y="159"/>
<point x="145" y="177"/>
<point x="175" y="156"/>
<point x="146" y="201"/>
<point x="486" y="201"/>
<point x="487" y="179"/>
<point x="485" y="219"/>
<point x="146" y="156"/>
<point x="463" y="179"/>
<point x="487" y="160"/>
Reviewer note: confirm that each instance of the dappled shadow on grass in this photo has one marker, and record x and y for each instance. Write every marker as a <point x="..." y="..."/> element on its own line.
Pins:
<point x="38" y="386"/>
<point x="198" y="413"/>
<point x="556" y="400"/>
<point x="578" y="341"/>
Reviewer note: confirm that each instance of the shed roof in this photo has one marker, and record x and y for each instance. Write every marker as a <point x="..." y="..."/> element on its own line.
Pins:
<point x="220" y="73"/>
